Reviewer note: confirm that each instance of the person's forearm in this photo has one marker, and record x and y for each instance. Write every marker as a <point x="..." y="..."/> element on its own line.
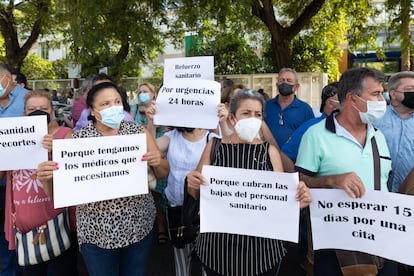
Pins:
<point x="318" y="182"/>
<point x="162" y="170"/>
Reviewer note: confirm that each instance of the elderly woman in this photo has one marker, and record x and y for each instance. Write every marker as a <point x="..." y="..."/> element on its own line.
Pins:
<point x="240" y="254"/>
<point x="114" y="235"/>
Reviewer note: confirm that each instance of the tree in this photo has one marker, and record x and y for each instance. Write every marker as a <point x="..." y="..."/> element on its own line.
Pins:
<point x="23" y="21"/>
<point x="118" y="35"/>
<point x="400" y="11"/>
<point x="291" y="17"/>
<point x="37" y="68"/>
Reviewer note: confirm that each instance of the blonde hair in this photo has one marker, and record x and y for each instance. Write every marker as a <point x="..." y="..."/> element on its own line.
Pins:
<point x="150" y="86"/>
<point x="38" y="93"/>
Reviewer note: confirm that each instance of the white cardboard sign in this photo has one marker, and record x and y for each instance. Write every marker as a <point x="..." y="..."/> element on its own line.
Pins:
<point x="188" y="103"/>
<point x="101" y="168"/>
<point x="249" y="202"/>
<point x="189" y="68"/>
<point x="379" y="223"/>
<point x="21" y="138"/>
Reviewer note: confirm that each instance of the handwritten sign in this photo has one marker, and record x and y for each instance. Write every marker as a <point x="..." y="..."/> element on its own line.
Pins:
<point x="95" y="169"/>
<point x="379" y="223"/>
<point x="188" y="103"/>
<point x="241" y="201"/>
<point x="20" y="138"/>
<point x="189" y="68"/>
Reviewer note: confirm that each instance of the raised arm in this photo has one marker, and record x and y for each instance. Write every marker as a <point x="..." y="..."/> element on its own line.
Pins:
<point x="195" y="178"/>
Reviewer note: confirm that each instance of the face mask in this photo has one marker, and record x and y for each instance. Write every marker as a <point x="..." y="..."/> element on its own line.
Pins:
<point x="408" y="99"/>
<point x="112" y="116"/>
<point x="40" y="112"/>
<point x="144" y="98"/>
<point x="285" y="89"/>
<point x="375" y="111"/>
<point x="3" y="89"/>
<point x="386" y="96"/>
<point x="248" y="129"/>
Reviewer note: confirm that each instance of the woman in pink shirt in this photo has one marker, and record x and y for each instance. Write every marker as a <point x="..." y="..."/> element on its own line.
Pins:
<point x="32" y="206"/>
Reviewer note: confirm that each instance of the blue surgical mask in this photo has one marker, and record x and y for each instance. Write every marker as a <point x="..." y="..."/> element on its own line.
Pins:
<point x="112" y="116"/>
<point x="144" y="98"/>
<point x="3" y="89"/>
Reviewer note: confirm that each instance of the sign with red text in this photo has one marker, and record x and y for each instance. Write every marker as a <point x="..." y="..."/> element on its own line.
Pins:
<point x="249" y="202"/>
<point x="21" y="142"/>
<point x="100" y="168"/>
<point x="379" y="223"/>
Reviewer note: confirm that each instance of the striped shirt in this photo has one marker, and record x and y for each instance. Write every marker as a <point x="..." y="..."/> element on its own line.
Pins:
<point x="233" y="254"/>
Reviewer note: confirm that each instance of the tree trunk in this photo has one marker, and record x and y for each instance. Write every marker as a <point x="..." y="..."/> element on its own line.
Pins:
<point x="282" y="36"/>
<point x="282" y="52"/>
<point x="15" y="53"/>
<point x="405" y="36"/>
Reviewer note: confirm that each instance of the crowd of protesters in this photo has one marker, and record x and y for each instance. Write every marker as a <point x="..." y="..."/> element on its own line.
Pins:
<point x="114" y="237"/>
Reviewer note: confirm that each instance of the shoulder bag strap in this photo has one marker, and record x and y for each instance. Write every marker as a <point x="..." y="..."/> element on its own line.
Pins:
<point x="214" y="147"/>
<point x="377" y="169"/>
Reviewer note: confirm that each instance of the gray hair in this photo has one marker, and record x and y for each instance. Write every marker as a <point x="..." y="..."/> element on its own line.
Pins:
<point x="245" y="94"/>
<point x="4" y="68"/>
<point x="292" y="71"/>
<point x="352" y="81"/>
<point x="394" y="80"/>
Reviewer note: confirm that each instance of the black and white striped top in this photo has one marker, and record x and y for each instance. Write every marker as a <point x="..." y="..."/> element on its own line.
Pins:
<point x="240" y="255"/>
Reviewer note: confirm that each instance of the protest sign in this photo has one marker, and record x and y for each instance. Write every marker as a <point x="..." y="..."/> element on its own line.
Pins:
<point x="249" y="202"/>
<point x="94" y="169"/>
<point x="379" y="223"/>
<point x="20" y="138"/>
<point x="189" y="68"/>
<point x="188" y="103"/>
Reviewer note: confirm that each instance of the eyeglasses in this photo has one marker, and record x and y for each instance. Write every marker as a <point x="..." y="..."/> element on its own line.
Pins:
<point x="281" y="120"/>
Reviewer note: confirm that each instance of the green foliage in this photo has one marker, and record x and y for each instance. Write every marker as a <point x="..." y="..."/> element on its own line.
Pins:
<point x="36" y="68"/>
<point x="60" y="67"/>
<point x="119" y="35"/>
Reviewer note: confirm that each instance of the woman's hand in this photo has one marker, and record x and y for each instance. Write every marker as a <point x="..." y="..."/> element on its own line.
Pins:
<point x="303" y="195"/>
<point x="45" y="170"/>
<point x="47" y="142"/>
<point x="150" y="110"/>
<point x="45" y="175"/>
<point x="222" y="113"/>
<point x="195" y="179"/>
<point x="153" y="158"/>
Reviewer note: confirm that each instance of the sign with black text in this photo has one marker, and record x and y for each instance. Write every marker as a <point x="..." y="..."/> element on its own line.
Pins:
<point x="188" y="103"/>
<point x="21" y="138"/>
<point x="201" y="67"/>
<point x="250" y="202"/>
<point x="99" y="168"/>
<point x="379" y="223"/>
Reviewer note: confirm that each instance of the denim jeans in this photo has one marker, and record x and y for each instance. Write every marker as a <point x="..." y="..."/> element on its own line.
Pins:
<point x="128" y="261"/>
<point x="8" y="260"/>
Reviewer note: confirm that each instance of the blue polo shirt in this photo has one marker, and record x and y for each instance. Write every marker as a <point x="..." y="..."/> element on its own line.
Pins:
<point x="291" y="147"/>
<point x="399" y="134"/>
<point x="15" y="107"/>
<point x="283" y="123"/>
<point x="328" y="149"/>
